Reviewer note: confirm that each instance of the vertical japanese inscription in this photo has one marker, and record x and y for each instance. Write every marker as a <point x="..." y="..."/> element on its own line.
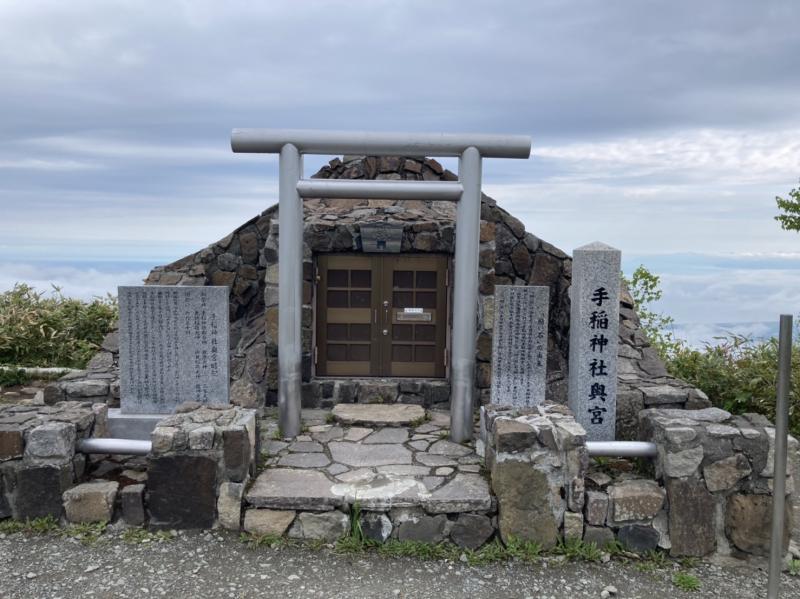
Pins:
<point x="519" y="345"/>
<point x="593" y="339"/>
<point x="173" y="347"/>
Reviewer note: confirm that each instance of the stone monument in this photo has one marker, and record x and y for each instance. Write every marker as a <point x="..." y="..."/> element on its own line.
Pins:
<point x="593" y="339"/>
<point x="173" y="347"/>
<point x="519" y="345"/>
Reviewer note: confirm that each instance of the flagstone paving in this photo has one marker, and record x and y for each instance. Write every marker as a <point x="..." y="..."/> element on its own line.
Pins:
<point x="380" y="466"/>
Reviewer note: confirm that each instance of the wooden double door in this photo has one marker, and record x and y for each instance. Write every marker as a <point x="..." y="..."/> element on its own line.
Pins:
<point x="381" y="315"/>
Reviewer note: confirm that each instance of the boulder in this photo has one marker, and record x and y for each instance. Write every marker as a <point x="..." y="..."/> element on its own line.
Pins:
<point x="748" y="522"/>
<point x="325" y="526"/>
<point x="268" y="522"/>
<point x="471" y="530"/>
<point x="91" y="502"/>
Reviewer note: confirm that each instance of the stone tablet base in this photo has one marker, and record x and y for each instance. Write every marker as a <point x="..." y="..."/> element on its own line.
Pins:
<point x="132" y="426"/>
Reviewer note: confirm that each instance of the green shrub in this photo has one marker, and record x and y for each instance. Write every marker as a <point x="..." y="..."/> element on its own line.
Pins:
<point x="36" y="330"/>
<point x="738" y="374"/>
<point x="13" y="377"/>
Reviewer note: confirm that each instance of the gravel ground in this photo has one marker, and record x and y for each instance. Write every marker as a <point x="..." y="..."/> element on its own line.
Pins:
<point x="218" y="565"/>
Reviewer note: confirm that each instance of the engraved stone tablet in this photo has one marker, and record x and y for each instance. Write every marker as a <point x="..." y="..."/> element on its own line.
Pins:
<point x="519" y="345"/>
<point x="173" y="347"/>
<point x="593" y="339"/>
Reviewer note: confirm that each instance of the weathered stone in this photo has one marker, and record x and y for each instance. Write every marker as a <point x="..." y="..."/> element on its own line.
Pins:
<point x="182" y="491"/>
<point x="377" y="415"/>
<point x="356" y="434"/>
<point x="471" y="530"/>
<point x="722" y="475"/>
<point x="596" y="508"/>
<point x="433" y="461"/>
<point x="358" y="456"/>
<point x="663" y="394"/>
<point x="748" y="523"/>
<point x="450" y="449"/>
<point x="525" y="503"/>
<point x="465" y="493"/>
<point x="90" y="502"/>
<point x="39" y="490"/>
<point x="600" y="536"/>
<point x="85" y="388"/>
<point x="573" y="526"/>
<point x="376" y="526"/>
<point x="293" y="489"/>
<point x="634" y="500"/>
<point x="683" y="463"/>
<point x="387" y="435"/>
<point x="268" y="522"/>
<point x="11" y="442"/>
<point x="423" y="529"/>
<point x="229" y="505"/>
<point x="691" y="518"/>
<point x="236" y="450"/>
<point x="305" y="447"/>
<point x="245" y="394"/>
<point x="132" y="499"/>
<point x="304" y="460"/>
<point x="638" y="538"/>
<point x="326" y="526"/>
<point x="52" y="441"/>
<point x="377" y="392"/>
<point x="513" y="435"/>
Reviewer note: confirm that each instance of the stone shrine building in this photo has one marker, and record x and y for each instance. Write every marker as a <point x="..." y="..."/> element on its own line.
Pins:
<point x="377" y="302"/>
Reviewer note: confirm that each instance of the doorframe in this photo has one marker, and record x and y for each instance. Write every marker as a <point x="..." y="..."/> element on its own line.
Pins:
<point x="448" y="312"/>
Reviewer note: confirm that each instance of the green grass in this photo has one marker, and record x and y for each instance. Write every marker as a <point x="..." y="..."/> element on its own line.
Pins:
<point x="686" y="582"/>
<point x="575" y="549"/>
<point x="528" y="551"/>
<point x="255" y="541"/>
<point x="794" y="567"/>
<point x="39" y="526"/>
<point x="329" y="418"/>
<point x="86" y="533"/>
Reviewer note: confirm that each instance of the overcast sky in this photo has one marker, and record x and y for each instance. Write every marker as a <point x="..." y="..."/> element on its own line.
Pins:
<point x="663" y="128"/>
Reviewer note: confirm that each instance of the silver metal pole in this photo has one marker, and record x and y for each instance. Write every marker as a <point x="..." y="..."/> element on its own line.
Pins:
<point x="465" y="296"/>
<point x="379" y="190"/>
<point x="309" y="141"/>
<point x="114" y="446"/>
<point x="290" y="288"/>
<point x="622" y="449"/>
<point x="781" y="442"/>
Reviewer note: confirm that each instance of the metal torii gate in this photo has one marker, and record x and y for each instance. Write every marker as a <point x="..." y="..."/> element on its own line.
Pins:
<point x="291" y="144"/>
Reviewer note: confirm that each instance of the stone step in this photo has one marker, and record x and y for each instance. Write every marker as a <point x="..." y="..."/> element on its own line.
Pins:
<point x="378" y="414"/>
<point x="296" y="489"/>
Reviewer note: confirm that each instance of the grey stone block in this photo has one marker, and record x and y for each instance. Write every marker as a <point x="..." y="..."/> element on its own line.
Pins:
<point x="471" y="530"/>
<point x="91" y="502"/>
<point x="132" y="498"/>
<point x="638" y="538"/>
<point x="182" y="491"/>
<point x="51" y="441"/>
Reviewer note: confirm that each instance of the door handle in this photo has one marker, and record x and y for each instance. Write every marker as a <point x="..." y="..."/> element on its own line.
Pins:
<point x="385" y="332"/>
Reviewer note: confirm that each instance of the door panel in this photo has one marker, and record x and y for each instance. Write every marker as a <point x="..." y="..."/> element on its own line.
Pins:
<point x="381" y="315"/>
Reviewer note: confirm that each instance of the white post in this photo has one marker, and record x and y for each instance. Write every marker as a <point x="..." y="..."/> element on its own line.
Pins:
<point x="465" y="296"/>
<point x="290" y="290"/>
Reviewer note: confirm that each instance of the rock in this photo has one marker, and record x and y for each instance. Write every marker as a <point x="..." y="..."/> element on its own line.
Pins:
<point x="435" y="460"/>
<point x="513" y="435"/>
<point x="11" y="442"/>
<point x="748" y="522"/>
<point x="85" y="388"/>
<point x="377" y="392"/>
<point x="600" y="536"/>
<point x="683" y="463"/>
<point x="245" y="394"/>
<point x="691" y="518"/>
<point x="596" y="508"/>
<point x="524" y="500"/>
<point x="376" y="526"/>
<point x="465" y="493"/>
<point x="39" y="491"/>
<point x="471" y="530"/>
<point x="268" y="522"/>
<point x="90" y="502"/>
<point x="52" y="441"/>
<point x="293" y="489"/>
<point x="182" y="491"/>
<point x="376" y="415"/>
<point x="305" y="447"/>
<point x="132" y="498"/>
<point x="638" y="538"/>
<point x="358" y="456"/>
<point x="229" y="505"/>
<point x="573" y="526"/>
<point x="423" y="528"/>
<point x="387" y="435"/>
<point x="326" y="526"/>
<point x="202" y="438"/>
<point x="450" y="449"/>
<point x="304" y="460"/>
<point x="634" y="500"/>
<point x="236" y="450"/>
<point x="724" y="474"/>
